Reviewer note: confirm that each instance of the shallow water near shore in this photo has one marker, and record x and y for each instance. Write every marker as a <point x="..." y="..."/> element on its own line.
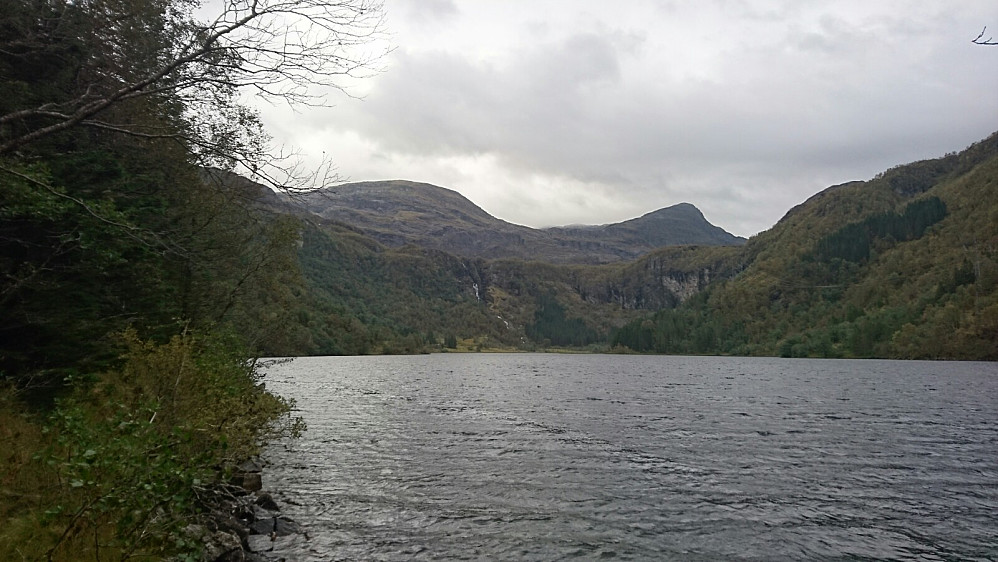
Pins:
<point x="552" y="457"/>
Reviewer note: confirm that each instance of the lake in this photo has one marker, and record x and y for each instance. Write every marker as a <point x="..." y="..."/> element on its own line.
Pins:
<point x="553" y="457"/>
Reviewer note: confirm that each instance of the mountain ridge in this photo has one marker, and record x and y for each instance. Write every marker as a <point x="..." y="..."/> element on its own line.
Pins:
<point x="901" y="265"/>
<point x="400" y="212"/>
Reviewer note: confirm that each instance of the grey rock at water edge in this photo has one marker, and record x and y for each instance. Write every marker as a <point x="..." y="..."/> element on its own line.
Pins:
<point x="275" y="526"/>
<point x="266" y="501"/>
<point x="263" y="547"/>
<point x="260" y="543"/>
<point x="249" y="481"/>
<point x="218" y="546"/>
<point x="221" y="546"/>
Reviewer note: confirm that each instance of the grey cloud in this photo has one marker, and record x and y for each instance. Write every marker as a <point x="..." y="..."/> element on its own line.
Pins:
<point x="788" y="107"/>
<point x="432" y="105"/>
<point x="580" y="61"/>
<point x="429" y="11"/>
<point x="539" y="103"/>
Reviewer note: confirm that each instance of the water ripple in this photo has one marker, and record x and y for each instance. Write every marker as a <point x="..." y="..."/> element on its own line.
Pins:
<point x="552" y="457"/>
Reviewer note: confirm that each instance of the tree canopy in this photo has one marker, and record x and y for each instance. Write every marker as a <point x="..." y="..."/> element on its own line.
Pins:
<point x="119" y="123"/>
<point x="154" y="70"/>
<point x="138" y="276"/>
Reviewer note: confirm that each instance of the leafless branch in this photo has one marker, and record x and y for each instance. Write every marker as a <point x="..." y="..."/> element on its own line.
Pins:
<point x="290" y="51"/>
<point x="980" y="40"/>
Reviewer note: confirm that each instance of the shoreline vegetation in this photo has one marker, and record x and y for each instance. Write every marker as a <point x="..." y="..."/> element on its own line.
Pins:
<point x="136" y="285"/>
<point x="139" y="274"/>
<point x="124" y="464"/>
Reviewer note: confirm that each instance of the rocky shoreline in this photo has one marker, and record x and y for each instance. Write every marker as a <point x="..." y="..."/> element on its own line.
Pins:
<point x="243" y="523"/>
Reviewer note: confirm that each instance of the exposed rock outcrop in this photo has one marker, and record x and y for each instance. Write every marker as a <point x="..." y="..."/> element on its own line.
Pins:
<point x="243" y="524"/>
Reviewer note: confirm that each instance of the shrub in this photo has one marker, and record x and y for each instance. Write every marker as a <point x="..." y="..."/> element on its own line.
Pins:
<point x="119" y="466"/>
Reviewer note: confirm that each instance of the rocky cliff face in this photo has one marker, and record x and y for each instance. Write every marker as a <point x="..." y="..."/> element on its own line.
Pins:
<point x="605" y="295"/>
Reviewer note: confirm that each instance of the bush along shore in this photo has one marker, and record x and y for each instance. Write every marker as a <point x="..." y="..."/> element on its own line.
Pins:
<point x="150" y="459"/>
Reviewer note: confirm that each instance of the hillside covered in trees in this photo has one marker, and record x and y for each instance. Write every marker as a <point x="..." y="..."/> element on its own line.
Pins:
<point x="902" y="265"/>
<point x="140" y="277"/>
<point x="136" y="287"/>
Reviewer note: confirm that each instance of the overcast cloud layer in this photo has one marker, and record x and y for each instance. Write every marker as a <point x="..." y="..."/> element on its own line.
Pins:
<point x="548" y="112"/>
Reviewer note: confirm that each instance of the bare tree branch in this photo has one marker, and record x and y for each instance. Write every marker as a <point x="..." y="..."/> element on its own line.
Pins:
<point x="980" y="40"/>
<point x="289" y="51"/>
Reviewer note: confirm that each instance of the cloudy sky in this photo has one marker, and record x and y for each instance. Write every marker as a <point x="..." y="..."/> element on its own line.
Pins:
<point x="553" y="112"/>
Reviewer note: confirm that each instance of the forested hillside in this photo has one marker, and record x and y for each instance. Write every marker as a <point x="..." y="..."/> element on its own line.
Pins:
<point x="904" y="265"/>
<point x="136" y="287"/>
<point x="362" y="297"/>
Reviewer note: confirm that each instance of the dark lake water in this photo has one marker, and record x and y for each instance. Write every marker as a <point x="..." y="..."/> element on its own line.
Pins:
<point x="553" y="457"/>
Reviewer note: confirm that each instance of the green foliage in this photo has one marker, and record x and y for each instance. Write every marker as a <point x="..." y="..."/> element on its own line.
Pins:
<point x="848" y="275"/>
<point x="552" y="327"/>
<point x="362" y="298"/>
<point x="110" y="440"/>
<point x="75" y="270"/>
<point x="239" y="268"/>
<point x="688" y="330"/>
<point x="92" y="243"/>
<point x="120" y="464"/>
<point x="853" y="242"/>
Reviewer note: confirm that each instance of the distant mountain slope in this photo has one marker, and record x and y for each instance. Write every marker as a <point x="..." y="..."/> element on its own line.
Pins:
<point x="904" y="265"/>
<point x="401" y="212"/>
<point x="678" y="225"/>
